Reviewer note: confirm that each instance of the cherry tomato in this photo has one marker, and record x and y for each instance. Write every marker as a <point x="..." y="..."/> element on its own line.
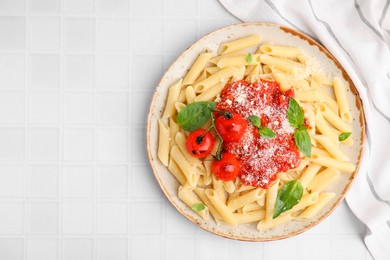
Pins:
<point x="227" y="168"/>
<point x="231" y="127"/>
<point x="200" y="143"/>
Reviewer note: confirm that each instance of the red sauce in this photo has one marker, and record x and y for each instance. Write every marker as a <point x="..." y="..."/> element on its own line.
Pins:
<point x="261" y="159"/>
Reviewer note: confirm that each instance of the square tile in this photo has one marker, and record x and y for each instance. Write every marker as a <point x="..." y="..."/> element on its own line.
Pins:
<point x="144" y="184"/>
<point x="143" y="8"/>
<point x="245" y="250"/>
<point x="212" y="9"/>
<point x="77" y="249"/>
<point x="77" y="218"/>
<point x="208" y="25"/>
<point x="11" y="218"/>
<point x="12" y="6"/>
<point x="318" y="248"/>
<point x="43" y="181"/>
<point x="45" y="70"/>
<point x="79" y="71"/>
<point x="112" y="248"/>
<point x="113" y="34"/>
<point x="138" y="99"/>
<point x="138" y="152"/>
<point x="214" y="247"/>
<point x="176" y="223"/>
<point x="144" y="217"/>
<point x="187" y="8"/>
<point x="113" y="108"/>
<point x="79" y="144"/>
<point x="111" y="7"/>
<point x="79" y="34"/>
<point x="141" y="248"/>
<point x="283" y="248"/>
<point x="13" y="69"/>
<point x="112" y="181"/>
<point x="79" y="6"/>
<point x="44" y="33"/>
<point x="12" y="248"/>
<point x="146" y="32"/>
<point x="11" y="144"/>
<point x="45" y="6"/>
<point x="180" y="29"/>
<point x="112" y="218"/>
<point x="44" y="107"/>
<point x="43" y="218"/>
<point x="12" y="181"/>
<point x="43" y="144"/>
<point x="13" y="33"/>
<point x="177" y="247"/>
<point x="77" y="181"/>
<point x="12" y="107"/>
<point x="113" y="144"/>
<point x="113" y="71"/>
<point x="79" y="108"/>
<point x="141" y="64"/>
<point x="42" y="248"/>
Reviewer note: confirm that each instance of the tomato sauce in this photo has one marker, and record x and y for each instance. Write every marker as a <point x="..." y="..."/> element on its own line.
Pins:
<point x="261" y="159"/>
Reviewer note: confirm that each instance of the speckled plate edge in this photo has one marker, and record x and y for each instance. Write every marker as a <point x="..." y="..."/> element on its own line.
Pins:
<point x="359" y="107"/>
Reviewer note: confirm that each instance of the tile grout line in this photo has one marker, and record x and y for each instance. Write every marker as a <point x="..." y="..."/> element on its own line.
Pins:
<point x="96" y="138"/>
<point x="26" y="119"/>
<point x="130" y="179"/>
<point x="61" y="133"/>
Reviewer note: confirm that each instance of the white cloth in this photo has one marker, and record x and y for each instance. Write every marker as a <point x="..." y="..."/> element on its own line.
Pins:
<point x="356" y="32"/>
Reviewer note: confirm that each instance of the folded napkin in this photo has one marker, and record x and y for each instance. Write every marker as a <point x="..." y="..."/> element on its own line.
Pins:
<point x="355" y="33"/>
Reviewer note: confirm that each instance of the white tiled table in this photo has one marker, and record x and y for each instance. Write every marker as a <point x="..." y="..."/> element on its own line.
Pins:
<point x="76" y="78"/>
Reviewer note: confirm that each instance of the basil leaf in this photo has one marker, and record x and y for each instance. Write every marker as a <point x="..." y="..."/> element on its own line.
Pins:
<point x="249" y="58"/>
<point x="195" y="115"/>
<point x="266" y="132"/>
<point x="303" y="141"/>
<point x="288" y="197"/>
<point x="198" y="207"/>
<point x="295" y="114"/>
<point x="344" y="136"/>
<point x="255" y="120"/>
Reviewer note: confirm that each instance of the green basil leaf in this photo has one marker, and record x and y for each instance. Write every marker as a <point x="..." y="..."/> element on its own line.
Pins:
<point x="198" y="207"/>
<point x="249" y="58"/>
<point x="303" y="142"/>
<point x="255" y="120"/>
<point x="288" y="197"/>
<point x="302" y="127"/>
<point x="266" y="132"/>
<point x="295" y="114"/>
<point x="344" y="136"/>
<point x="195" y="115"/>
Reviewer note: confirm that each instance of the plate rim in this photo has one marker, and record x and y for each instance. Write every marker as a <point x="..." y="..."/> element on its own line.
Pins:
<point x="362" y="123"/>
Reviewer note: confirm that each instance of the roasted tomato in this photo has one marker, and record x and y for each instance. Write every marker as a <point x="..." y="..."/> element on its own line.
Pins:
<point x="231" y="126"/>
<point x="227" y="168"/>
<point x="200" y="143"/>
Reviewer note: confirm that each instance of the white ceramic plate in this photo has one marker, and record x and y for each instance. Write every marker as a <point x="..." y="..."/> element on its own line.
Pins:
<point x="277" y="35"/>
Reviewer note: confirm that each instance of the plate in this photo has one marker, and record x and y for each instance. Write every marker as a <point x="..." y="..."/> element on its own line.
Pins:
<point x="278" y="35"/>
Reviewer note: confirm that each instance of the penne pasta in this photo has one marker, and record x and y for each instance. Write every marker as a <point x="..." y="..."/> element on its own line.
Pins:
<point x="239" y="44"/>
<point x="197" y="68"/>
<point x="340" y="91"/>
<point x="282" y="51"/>
<point x="163" y="142"/>
<point x="173" y="95"/>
